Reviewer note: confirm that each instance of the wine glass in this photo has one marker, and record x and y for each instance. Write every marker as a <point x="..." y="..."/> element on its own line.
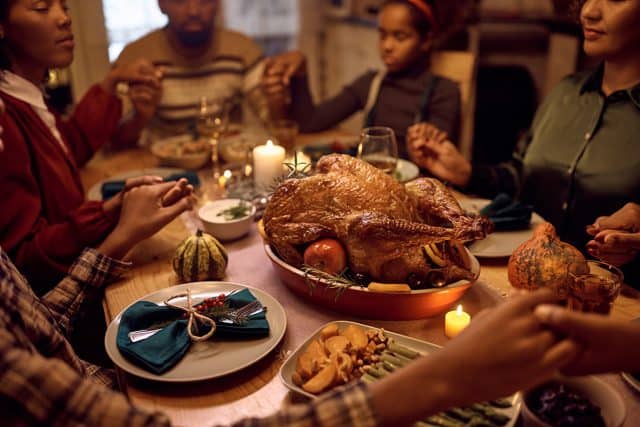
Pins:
<point x="378" y="147"/>
<point x="213" y="118"/>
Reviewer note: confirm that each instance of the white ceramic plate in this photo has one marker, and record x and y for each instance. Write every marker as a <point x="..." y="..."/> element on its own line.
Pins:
<point x="212" y="358"/>
<point x="632" y="381"/>
<point x="499" y="243"/>
<point x="94" y="192"/>
<point x="423" y="347"/>
<point x="406" y="171"/>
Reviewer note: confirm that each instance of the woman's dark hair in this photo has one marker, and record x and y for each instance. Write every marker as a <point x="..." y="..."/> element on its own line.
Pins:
<point x="5" y="63"/>
<point x="419" y="21"/>
<point x="575" y="6"/>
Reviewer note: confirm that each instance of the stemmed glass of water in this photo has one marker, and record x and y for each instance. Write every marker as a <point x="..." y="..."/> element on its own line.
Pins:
<point x="378" y="147"/>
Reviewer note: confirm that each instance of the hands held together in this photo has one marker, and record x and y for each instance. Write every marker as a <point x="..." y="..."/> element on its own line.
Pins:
<point x="144" y="83"/>
<point x="278" y="71"/>
<point x="529" y="338"/>
<point x="515" y="346"/>
<point x="616" y="238"/>
<point x="430" y="148"/>
<point x="145" y="206"/>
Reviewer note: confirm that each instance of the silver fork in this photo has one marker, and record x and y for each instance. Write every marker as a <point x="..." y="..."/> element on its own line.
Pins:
<point x="241" y="315"/>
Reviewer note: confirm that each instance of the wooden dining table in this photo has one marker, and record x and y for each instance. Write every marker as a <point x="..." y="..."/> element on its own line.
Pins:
<point x="257" y="390"/>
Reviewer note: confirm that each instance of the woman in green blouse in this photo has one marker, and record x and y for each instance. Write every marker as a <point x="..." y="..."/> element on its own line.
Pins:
<point x="581" y="158"/>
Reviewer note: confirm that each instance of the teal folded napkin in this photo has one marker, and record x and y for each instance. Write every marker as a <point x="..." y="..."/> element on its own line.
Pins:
<point x="111" y="188"/>
<point x="162" y="351"/>
<point x="507" y="214"/>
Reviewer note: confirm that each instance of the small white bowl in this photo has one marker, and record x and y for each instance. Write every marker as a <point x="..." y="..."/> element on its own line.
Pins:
<point x="600" y="394"/>
<point x="166" y="152"/>
<point x="221" y="228"/>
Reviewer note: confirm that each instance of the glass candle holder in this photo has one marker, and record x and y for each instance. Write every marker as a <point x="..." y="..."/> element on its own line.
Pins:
<point x="596" y="290"/>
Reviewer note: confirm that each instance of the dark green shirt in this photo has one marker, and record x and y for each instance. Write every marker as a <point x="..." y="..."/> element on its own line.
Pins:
<point x="579" y="161"/>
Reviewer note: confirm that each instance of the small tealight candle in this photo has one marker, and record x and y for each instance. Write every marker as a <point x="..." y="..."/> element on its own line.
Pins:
<point x="267" y="164"/>
<point x="455" y="321"/>
<point x="224" y="178"/>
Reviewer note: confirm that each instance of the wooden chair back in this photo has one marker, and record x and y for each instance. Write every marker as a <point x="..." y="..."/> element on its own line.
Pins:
<point x="461" y="67"/>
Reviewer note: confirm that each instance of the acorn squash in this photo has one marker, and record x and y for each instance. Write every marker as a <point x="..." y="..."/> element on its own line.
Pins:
<point x="200" y="257"/>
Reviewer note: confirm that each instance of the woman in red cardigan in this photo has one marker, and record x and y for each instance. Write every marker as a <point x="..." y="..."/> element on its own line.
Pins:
<point x="45" y="221"/>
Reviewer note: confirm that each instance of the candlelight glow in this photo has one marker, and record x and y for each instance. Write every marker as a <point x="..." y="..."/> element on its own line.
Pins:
<point x="455" y="321"/>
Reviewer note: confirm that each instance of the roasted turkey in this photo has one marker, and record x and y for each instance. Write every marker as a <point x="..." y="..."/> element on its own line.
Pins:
<point x="382" y="224"/>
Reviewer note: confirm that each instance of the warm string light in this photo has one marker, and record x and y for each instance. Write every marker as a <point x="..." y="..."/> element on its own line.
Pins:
<point x="224" y="178"/>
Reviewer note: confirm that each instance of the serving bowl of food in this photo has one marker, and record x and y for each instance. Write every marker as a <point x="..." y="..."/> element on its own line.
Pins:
<point x="182" y="151"/>
<point x="573" y="401"/>
<point x="353" y="239"/>
<point x="227" y="219"/>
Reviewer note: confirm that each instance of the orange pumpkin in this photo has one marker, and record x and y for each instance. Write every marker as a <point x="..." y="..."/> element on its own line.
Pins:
<point x="545" y="260"/>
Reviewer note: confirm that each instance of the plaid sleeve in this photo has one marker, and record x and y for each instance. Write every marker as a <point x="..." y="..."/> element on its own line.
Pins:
<point x="83" y="284"/>
<point x="49" y="392"/>
<point x="346" y="406"/>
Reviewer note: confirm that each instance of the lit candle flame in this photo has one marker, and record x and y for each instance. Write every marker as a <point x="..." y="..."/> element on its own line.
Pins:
<point x="459" y="310"/>
<point x="227" y="174"/>
<point x="269" y="143"/>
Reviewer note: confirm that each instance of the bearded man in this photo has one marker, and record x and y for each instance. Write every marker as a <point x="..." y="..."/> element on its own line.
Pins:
<point x="195" y="58"/>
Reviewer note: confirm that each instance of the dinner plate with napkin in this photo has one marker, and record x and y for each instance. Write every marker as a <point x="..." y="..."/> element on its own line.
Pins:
<point x="508" y="214"/>
<point x="171" y="354"/>
<point x="514" y="223"/>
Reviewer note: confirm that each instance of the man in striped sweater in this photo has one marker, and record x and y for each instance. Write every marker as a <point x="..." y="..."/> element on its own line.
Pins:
<point x="195" y="58"/>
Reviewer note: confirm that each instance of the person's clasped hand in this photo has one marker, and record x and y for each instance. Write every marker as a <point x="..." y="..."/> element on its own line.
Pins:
<point x="146" y="209"/>
<point x="506" y="348"/>
<point x="616" y="238"/>
<point x="606" y="344"/>
<point x="425" y="130"/>
<point x="440" y="158"/>
<point x="139" y="72"/>
<point x="278" y="71"/>
<point x="112" y="206"/>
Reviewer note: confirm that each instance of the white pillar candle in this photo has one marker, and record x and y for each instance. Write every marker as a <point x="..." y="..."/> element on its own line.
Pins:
<point x="267" y="164"/>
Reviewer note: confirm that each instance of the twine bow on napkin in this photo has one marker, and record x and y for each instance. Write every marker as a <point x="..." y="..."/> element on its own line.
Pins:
<point x="194" y="317"/>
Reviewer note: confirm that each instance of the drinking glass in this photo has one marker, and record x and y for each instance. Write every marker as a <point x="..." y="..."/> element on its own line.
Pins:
<point x="596" y="290"/>
<point x="213" y="118"/>
<point x="285" y="133"/>
<point x="378" y="147"/>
